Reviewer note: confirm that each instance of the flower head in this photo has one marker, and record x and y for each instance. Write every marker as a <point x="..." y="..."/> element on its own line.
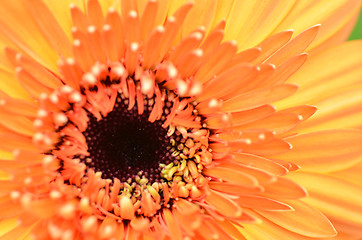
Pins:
<point x="168" y="120"/>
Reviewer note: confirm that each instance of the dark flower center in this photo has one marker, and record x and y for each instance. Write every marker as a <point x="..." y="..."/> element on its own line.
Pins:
<point x="125" y="144"/>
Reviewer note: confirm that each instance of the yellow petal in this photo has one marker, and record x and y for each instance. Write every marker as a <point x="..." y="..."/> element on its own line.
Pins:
<point x="60" y="10"/>
<point x="266" y="229"/>
<point x="341" y="35"/>
<point x="352" y="174"/>
<point x="246" y="25"/>
<point x="331" y="14"/>
<point x="223" y="10"/>
<point x="305" y="220"/>
<point x="201" y="14"/>
<point x="7" y="225"/>
<point x="230" y="229"/>
<point x="19" y="29"/>
<point x="342" y="110"/>
<point x="338" y="199"/>
<point x="325" y="151"/>
<point x="50" y="27"/>
<point x="10" y="85"/>
<point x="324" y="74"/>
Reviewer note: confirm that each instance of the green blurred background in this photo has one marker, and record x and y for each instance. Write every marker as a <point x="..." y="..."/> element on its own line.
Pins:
<point x="357" y="32"/>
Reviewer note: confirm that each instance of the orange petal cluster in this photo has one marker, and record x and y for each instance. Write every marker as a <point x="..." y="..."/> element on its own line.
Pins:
<point x="235" y="154"/>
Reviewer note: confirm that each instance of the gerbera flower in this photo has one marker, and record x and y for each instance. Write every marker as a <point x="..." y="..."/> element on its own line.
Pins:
<point x="165" y="119"/>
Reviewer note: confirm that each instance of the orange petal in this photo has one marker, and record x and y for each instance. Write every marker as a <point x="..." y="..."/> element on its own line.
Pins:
<point x="162" y="12"/>
<point x="127" y="210"/>
<point x="223" y="205"/>
<point x="262" y="203"/>
<point x="186" y="207"/>
<point x="258" y="97"/>
<point x="172" y="225"/>
<point x="295" y="46"/>
<point x="232" y="176"/>
<point x="262" y="176"/>
<point x="108" y="228"/>
<point x="278" y="123"/>
<point x="39" y="72"/>
<point x="12" y="141"/>
<point x="188" y="44"/>
<point x="140" y="224"/>
<point x="9" y="209"/>
<point x="325" y="151"/>
<point x="113" y="19"/>
<point x="272" y="44"/>
<point x="266" y="71"/>
<point x="172" y="26"/>
<point x="18" y="124"/>
<point x="228" y="81"/>
<point x="234" y="189"/>
<point x="216" y="62"/>
<point x="185" y="223"/>
<point x="151" y="53"/>
<point x="60" y="10"/>
<point x="239" y="140"/>
<point x="207" y="231"/>
<point x="95" y="14"/>
<point x="44" y="208"/>
<point x="304" y="111"/>
<point x="287" y="69"/>
<point x="272" y="147"/>
<point x="244" y="117"/>
<point x="148" y="17"/>
<point x="230" y="229"/>
<point x="212" y="40"/>
<point x="246" y="56"/>
<point x="285" y="189"/>
<point x="30" y="84"/>
<point x="260" y="162"/>
<point x="305" y="220"/>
